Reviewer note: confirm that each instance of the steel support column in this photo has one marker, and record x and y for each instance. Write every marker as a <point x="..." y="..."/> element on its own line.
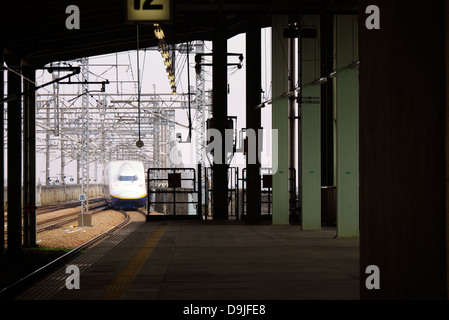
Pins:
<point x="446" y="51"/>
<point x="280" y="120"/>
<point x="253" y="119"/>
<point x="29" y="158"/>
<point x="85" y="219"/>
<point x="292" y="122"/>
<point x="347" y="97"/>
<point x="14" y="170"/>
<point x="327" y="100"/>
<point x="2" y="161"/>
<point x="220" y="115"/>
<point x="310" y="123"/>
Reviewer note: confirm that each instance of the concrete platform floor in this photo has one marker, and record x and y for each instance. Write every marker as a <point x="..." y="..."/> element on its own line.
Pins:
<point x="197" y="260"/>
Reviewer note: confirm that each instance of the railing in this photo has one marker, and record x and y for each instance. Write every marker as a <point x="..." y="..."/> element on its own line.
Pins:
<point x="174" y="192"/>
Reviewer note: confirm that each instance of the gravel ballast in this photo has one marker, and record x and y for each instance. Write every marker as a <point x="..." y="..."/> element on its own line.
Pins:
<point x="71" y="236"/>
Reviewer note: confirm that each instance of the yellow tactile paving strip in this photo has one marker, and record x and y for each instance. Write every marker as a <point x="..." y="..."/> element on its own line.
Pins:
<point x="119" y="285"/>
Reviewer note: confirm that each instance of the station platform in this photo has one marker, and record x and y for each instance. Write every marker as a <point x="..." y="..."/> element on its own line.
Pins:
<point x="210" y="260"/>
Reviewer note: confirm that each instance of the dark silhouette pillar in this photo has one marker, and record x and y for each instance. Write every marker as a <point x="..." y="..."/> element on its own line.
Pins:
<point x="220" y="115"/>
<point x="29" y="158"/>
<point x="253" y="119"/>
<point x="403" y="143"/>
<point x="14" y="171"/>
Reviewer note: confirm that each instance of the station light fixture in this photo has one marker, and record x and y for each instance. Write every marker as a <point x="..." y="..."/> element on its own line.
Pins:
<point x="159" y="33"/>
<point x="165" y="54"/>
<point x="171" y="74"/>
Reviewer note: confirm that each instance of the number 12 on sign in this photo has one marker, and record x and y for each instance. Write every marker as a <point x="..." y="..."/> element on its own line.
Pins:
<point x="148" y="11"/>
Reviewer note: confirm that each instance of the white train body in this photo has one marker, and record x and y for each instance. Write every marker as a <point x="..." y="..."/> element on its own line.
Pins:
<point x="127" y="188"/>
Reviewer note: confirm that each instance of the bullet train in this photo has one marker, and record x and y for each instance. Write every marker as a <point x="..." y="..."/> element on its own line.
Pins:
<point x="126" y="180"/>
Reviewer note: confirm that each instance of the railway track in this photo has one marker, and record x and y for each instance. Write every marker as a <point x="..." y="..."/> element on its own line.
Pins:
<point x="43" y="223"/>
<point x="55" y="207"/>
<point x="13" y="290"/>
<point x="56" y="222"/>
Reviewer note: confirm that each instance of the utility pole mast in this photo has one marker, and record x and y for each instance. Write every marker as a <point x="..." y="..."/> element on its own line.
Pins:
<point x="84" y="219"/>
<point x="200" y="110"/>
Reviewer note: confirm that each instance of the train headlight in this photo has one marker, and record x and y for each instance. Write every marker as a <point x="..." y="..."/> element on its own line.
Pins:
<point x="114" y="186"/>
<point x="142" y="186"/>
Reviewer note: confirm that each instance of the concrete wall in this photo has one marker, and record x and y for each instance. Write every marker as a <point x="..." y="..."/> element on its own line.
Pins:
<point x="48" y="195"/>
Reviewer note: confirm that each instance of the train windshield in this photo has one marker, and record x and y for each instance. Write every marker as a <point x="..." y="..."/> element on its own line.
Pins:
<point x="128" y="178"/>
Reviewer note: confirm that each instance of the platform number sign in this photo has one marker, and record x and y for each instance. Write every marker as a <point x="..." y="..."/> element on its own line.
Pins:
<point x="148" y="10"/>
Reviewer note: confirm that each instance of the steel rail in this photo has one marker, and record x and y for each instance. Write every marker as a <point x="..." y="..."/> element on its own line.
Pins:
<point x="13" y="290"/>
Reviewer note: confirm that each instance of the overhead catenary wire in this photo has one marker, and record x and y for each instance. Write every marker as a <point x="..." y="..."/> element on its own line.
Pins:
<point x="138" y="80"/>
<point x="118" y="123"/>
<point x="18" y="95"/>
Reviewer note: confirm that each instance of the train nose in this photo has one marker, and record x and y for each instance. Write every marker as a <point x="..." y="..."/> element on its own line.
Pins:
<point x="127" y="194"/>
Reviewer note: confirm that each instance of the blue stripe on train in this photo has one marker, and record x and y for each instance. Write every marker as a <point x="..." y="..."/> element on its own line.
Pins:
<point x="128" y="203"/>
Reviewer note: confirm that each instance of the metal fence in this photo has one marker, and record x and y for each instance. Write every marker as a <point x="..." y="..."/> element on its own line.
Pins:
<point x="233" y="192"/>
<point x="173" y="191"/>
<point x="178" y="192"/>
<point x="266" y="190"/>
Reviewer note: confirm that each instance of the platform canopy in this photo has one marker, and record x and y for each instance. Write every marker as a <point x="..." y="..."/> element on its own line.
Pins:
<point x="36" y="32"/>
